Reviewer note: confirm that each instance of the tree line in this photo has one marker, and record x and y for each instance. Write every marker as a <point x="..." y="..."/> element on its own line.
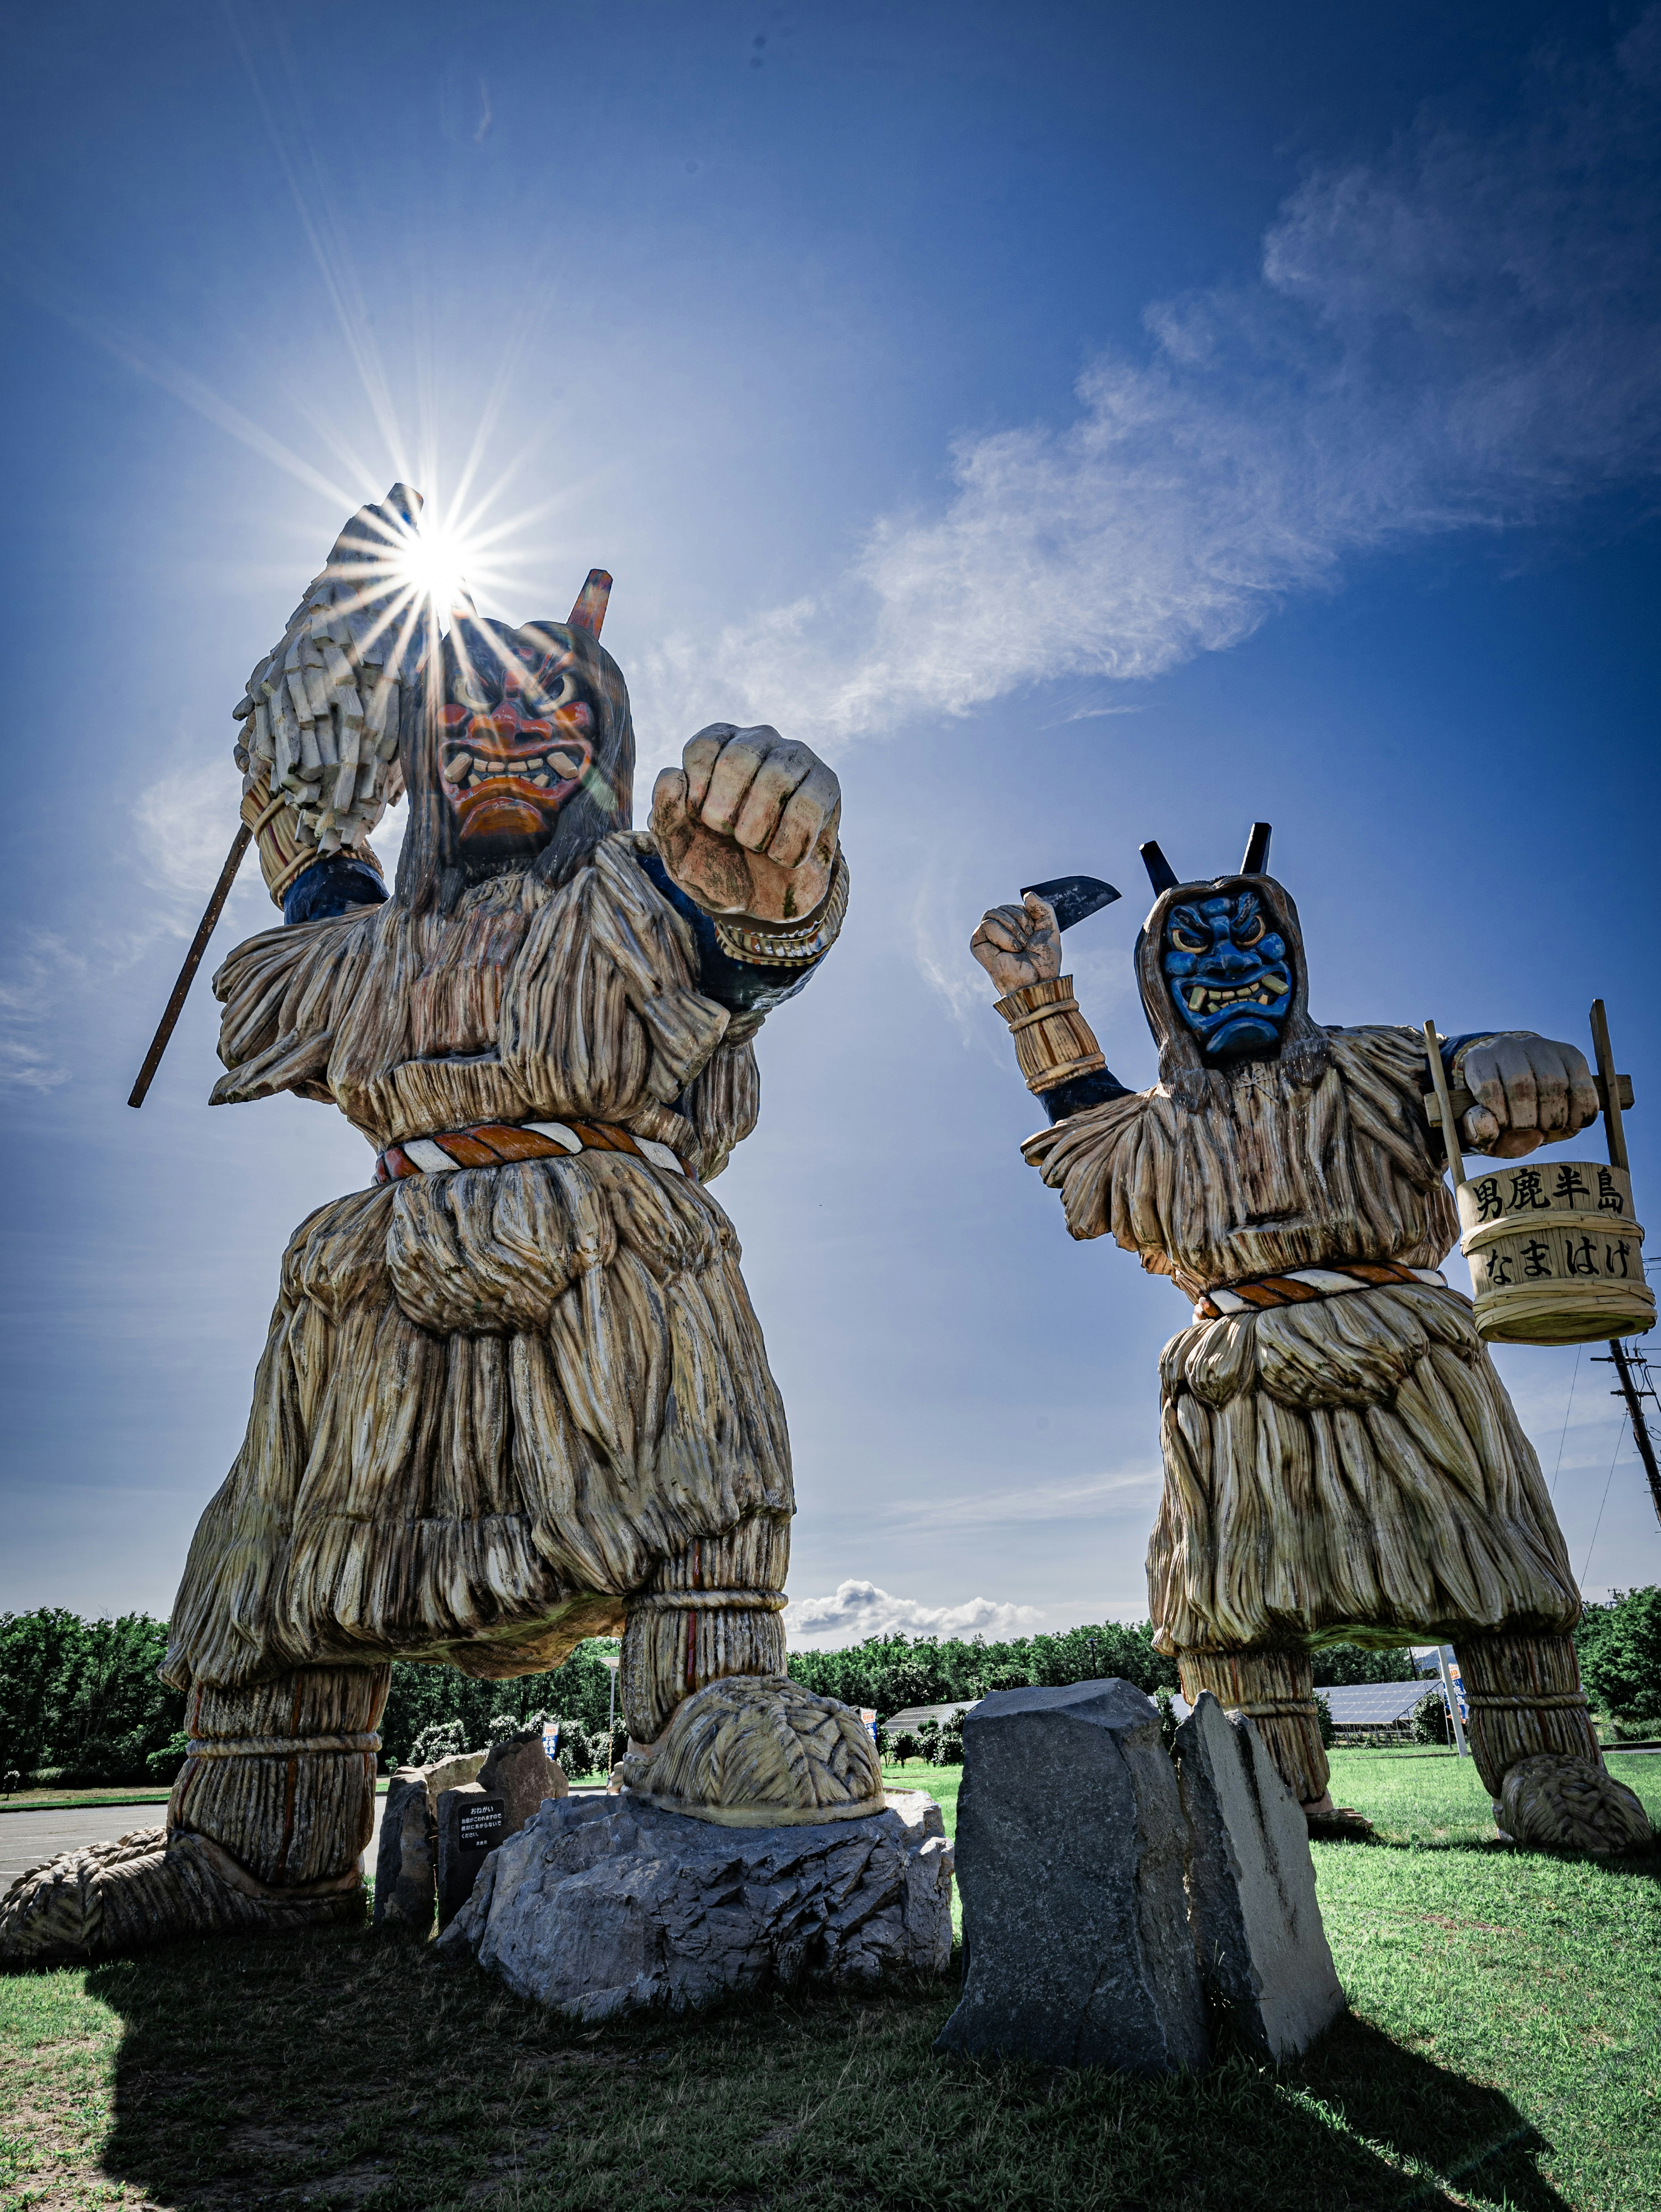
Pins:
<point x="81" y="1704"/>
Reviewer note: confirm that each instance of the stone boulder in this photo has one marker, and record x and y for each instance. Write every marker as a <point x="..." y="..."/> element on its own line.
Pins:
<point x="604" y="1904"/>
<point x="452" y="1774"/>
<point x="406" y="1859"/>
<point x="521" y="1773"/>
<point x="1261" y="1949"/>
<point x="1071" y="1846"/>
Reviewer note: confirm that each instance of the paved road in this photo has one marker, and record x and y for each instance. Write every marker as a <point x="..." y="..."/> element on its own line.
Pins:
<point x="26" y="1838"/>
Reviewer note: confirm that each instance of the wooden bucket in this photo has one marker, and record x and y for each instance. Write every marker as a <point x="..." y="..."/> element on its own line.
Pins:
<point x="1556" y="1255"/>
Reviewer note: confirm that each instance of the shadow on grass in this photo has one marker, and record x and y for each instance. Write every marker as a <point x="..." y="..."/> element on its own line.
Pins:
<point x="342" y="2070"/>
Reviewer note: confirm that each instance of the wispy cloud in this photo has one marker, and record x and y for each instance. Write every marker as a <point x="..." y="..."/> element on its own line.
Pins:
<point x="1064" y="1498"/>
<point x="1461" y="335"/>
<point x="860" y="1609"/>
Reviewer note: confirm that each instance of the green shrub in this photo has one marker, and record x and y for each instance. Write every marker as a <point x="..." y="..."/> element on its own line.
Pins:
<point x="904" y="1746"/>
<point x="1168" y="1722"/>
<point x="439" y="1740"/>
<point x="163" y="1765"/>
<point x="951" y="1745"/>
<point x="579" y="1754"/>
<point x="1430" y="1719"/>
<point x="1620" y="1648"/>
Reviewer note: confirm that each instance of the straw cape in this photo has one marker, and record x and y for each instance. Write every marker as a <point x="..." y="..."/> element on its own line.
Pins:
<point x="1350" y="1467"/>
<point x="490" y="1401"/>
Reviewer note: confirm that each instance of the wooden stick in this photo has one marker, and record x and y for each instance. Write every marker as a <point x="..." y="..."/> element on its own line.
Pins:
<point x="205" y="930"/>
<point x="1610" y="1086"/>
<point x="1449" y="1126"/>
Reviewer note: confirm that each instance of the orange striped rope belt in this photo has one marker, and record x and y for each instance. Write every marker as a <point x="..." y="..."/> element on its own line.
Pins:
<point x="492" y="1144"/>
<point x="1298" y="1285"/>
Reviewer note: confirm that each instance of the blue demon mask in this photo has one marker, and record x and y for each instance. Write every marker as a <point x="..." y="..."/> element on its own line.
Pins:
<point x="1227" y="973"/>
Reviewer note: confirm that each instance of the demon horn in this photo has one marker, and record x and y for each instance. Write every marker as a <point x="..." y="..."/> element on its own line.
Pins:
<point x="589" y="613"/>
<point x="1160" y="873"/>
<point x="1256" y="862"/>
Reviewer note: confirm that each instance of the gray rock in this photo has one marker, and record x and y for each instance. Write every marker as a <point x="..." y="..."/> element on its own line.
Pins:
<point x="1263" y="1951"/>
<point x="406" y="1866"/>
<point x="1070" y="1852"/>
<point x="604" y="1904"/>
<point x="521" y="1773"/>
<point x="451" y="1774"/>
<point x="471" y="1823"/>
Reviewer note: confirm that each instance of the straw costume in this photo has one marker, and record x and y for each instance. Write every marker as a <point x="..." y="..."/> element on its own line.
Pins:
<point x="1341" y="1461"/>
<point x="514" y="1392"/>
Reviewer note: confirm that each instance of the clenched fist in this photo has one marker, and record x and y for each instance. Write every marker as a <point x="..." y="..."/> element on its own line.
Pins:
<point x="747" y="824"/>
<point x="1528" y="1091"/>
<point x="1018" y="944"/>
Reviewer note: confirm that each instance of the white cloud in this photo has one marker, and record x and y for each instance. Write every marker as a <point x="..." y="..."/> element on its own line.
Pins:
<point x="1462" y="334"/>
<point x="861" y="1609"/>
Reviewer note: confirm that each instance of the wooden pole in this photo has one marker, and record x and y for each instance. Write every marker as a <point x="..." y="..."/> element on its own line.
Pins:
<point x="1614" y="1131"/>
<point x="1449" y="1126"/>
<point x="1612" y="1127"/>
<point x="205" y="930"/>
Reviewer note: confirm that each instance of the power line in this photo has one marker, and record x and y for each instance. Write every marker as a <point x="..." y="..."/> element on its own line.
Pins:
<point x="1599" y="1523"/>
<point x="1567" y="1410"/>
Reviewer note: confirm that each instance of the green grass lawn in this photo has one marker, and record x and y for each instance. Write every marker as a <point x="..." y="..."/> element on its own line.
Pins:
<point x="1501" y="2051"/>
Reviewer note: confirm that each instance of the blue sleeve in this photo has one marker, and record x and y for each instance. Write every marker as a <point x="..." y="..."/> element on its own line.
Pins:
<point x="1083" y="1090"/>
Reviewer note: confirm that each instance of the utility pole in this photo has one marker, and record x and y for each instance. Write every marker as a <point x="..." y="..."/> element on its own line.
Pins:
<point x="1634" y="1393"/>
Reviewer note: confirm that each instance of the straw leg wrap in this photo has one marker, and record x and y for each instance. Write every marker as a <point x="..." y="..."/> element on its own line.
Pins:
<point x="1537" y="1751"/>
<point x="1276" y="1690"/>
<point x="714" y="1611"/>
<point x="722" y="1733"/>
<point x="266" y="1827"/>
<point x="281" y="1775"/>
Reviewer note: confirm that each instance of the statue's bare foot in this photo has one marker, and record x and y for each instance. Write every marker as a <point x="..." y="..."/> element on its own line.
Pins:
<point x="758" y="1751"/>
<point x="1555" y="1803"/>
<point x="1336" y="1824"/>
<point x="144" y="1890"/>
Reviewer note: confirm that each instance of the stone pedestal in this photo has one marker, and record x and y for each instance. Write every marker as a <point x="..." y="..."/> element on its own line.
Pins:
<point x="602" y="1905"/>
<point x="1263" y="1951"/>
<point x="1070" y="1848"/>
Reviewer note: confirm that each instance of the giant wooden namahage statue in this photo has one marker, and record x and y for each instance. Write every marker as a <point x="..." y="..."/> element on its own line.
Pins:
<point x="1341" y="1461"/>
<point x="513" y="1392"/>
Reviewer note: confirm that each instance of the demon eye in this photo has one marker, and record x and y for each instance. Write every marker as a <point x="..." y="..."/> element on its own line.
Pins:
<point x="1250" y="931"/>
<point x="1185" y="940"/>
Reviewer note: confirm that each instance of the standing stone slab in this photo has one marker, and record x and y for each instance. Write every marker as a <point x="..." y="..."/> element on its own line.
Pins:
<point x="471" y="1821"/>
<point x="1262" y="1951"/>
<point x="406" y="1869"/>
<point x="606" y="1905"/>
<point x="521" y="1773"/>
<point x="1070" y="1850"/>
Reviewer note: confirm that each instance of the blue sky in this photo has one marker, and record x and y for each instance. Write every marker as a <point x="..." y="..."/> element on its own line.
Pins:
<point x="1081" y="424"/>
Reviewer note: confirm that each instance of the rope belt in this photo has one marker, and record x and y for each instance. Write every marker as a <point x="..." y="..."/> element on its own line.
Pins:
<point x="492" y="1144"/>
<point x="1299" y="1285"/>
<point x="1544" y="1700"/>
<point x="278" y="1747"/>
<point x="703" y="1600"/>
<point x="1278" y="1708"/>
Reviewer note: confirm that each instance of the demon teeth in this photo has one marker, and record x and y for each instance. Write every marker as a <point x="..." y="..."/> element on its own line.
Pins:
<point x="1203" y="998"/>
<point x="457" y="767"/>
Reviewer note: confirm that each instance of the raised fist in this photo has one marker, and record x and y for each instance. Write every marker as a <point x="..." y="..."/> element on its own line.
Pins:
<point x="1528" y="1089"/>
<point x="747" y="824"/>
<point x="1018" y="944"/>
